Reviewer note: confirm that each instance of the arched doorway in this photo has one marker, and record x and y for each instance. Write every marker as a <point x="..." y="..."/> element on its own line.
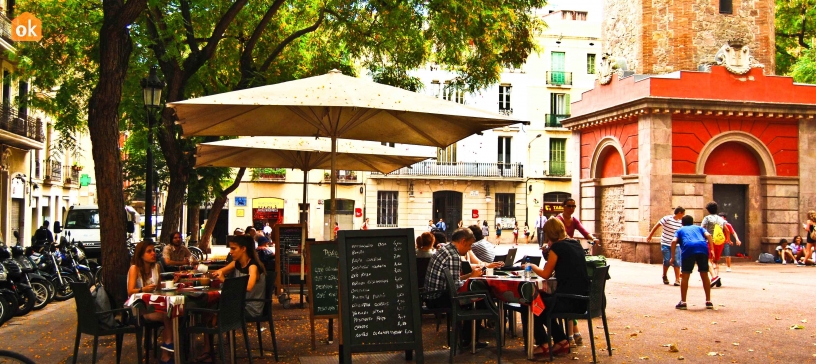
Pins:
<point x="448" y="205"/>
<point x="733" y="158"/>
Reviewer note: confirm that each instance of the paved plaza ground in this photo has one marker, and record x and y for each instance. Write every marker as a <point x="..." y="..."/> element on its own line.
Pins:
<point x="755" y="310"/>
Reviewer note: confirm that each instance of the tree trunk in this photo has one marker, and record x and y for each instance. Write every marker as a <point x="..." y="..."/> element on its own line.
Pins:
<point x="173" y="207"/>
<point x="193" y="213"/>
<point x="217" y="206"/>
<point x="115" y="47"/>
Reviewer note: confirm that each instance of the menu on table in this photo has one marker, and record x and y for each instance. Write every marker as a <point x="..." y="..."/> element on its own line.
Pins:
<point x="380" y="301"/>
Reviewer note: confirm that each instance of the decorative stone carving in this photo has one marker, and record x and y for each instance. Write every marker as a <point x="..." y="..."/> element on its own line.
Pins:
<point x="736" y="58"/>
<point x="609" y="66"/>
<point x="5" y="155"/>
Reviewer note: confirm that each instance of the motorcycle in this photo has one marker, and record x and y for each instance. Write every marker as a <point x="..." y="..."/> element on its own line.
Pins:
<point x="8" y="299"/>
<point x="48" y="259"/>
<point x="73" y="257"/>
<point x="41" y="284"/>
<point x="16" y="282"/>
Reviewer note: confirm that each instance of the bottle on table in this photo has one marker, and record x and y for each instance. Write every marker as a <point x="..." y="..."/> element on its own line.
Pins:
<point x="528" y="269"/>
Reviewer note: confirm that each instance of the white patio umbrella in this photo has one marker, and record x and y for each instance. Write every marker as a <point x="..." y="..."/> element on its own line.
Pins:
<point x="335" y="106"/>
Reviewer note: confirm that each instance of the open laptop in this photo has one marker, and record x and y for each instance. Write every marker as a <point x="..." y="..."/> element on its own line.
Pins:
<point x="508" y="261"/>
<point x="533" y="259"/>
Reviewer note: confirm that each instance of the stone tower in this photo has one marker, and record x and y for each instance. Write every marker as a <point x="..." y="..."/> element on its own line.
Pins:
<point x="662" y="36"/>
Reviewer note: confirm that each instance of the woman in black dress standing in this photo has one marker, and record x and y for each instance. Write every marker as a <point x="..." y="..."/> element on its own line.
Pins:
<point x="566" y="260"/>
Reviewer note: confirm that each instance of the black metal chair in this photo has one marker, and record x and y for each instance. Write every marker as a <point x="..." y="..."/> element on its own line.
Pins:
<point x="422" y="270"/>
<point x="88" y="323"/>
<point x="266" y="314"/>
<point x="596" y="307"/>
<point x="151" y="328"/>
<point x="458" y="314"/>
<point x="230" y="313"/>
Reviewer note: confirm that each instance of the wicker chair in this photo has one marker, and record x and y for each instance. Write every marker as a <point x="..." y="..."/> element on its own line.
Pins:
<point x="266" y="314"/>
<point x="230" y="313"/>
<point x="88" y="323"/>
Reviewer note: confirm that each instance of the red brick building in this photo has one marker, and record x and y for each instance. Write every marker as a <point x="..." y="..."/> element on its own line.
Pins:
<point x="649" y="143"/>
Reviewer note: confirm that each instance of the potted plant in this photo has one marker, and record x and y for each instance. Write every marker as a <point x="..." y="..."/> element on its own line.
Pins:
<point x="76" y="166"/>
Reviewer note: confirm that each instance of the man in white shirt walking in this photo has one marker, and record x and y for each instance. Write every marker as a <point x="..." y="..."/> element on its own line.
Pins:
<point x="539" y="226"/>
<point x="670" y="224"/>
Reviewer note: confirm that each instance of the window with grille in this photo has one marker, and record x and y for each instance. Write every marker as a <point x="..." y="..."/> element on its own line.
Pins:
<point x="505" y="205"/>
<point x="387" y="207"/>
<point x="590" y="64"/>
<point x="504" y="97"/>
<point x="726" y="7"/>
<point x="446" y="155"/>
<point x="556" y="196"/>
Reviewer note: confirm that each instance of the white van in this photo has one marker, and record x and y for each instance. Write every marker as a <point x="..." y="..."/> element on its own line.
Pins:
<point x="82" y="221"/>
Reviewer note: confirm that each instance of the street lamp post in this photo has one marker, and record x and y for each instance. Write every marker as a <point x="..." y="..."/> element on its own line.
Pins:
<point x="151" y="89"/>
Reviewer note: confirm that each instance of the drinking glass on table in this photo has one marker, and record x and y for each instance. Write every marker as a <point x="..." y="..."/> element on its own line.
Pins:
<point x="193" y="262"/>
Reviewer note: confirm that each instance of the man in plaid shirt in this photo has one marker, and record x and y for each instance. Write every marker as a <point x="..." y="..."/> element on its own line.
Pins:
<point x="448" y="257"/>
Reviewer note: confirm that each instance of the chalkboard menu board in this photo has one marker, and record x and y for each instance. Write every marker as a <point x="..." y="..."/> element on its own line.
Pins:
<point x="323" y="262"/>
<point x="380" y="302"/>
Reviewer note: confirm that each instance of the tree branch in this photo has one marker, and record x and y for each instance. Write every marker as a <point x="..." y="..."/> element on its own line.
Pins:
<point x="289" y="39"/>
<point x="188" y="27"/>
<point x="246" y="55"/>
<point x="127" y="13"/>
<point x="194" y="62"/>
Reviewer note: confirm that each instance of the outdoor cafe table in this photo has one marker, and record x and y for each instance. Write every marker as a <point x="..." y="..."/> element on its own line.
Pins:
<point x="513" y="290"/>
<point x="173" y="302"/>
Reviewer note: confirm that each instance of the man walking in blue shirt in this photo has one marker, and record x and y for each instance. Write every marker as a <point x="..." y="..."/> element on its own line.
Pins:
<point x="695" y="245"/>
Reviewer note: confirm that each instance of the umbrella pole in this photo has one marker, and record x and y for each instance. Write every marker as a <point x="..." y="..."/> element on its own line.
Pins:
<point x="304" y="223"/>
<point x="333" y="218"/>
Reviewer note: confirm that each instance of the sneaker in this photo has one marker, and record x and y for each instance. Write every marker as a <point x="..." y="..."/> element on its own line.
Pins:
<point x="677" y="283"/>
<point x="714" y="281"/>
<point x="665" y="280"/>
<point x="784" y="262"/>
<point x="167" y="347"/>
<point x="709" y="305"/>
<point x="579" y="340"/>
<point x="571" y="342"/>
<point x="728" y="269"/>
<point x="681" y="306"/>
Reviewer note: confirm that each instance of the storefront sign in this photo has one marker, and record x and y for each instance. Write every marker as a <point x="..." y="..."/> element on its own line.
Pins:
<point x="552" y="208"/>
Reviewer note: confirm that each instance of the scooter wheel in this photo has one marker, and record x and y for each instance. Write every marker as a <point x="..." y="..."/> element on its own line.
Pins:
<point x="63" y="292"/>
<point x="40" y="290"/>
<point x="27" y="300"/>
<point x="10" y="298"/>
<point x="5" y="310"/>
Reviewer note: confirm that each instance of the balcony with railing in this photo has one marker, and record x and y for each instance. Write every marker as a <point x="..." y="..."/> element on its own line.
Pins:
<point x="559" y="78"/>
<point x="506" y="112"/>
<point x="71" y="174"/>
<point x="554" y="120"/>
<point x="268" y="174"/>
<point x="23" y="126"/>
<point x="5" y="28"/>
<point x="343" y="176"/>
<point x="53" y="172"/>
<point x="557" y="169"/>
<point x="460" y="169"/>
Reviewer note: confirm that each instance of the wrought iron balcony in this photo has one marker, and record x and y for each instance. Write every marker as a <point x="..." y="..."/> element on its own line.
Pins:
<point x="557" y="169"/>
<point x="23" y="126"/>
<point x="559" y="78"/>
<point x="5" y="28"/>
<point x="54" y="172"/>
<point x="71" y="174"/>
<point x="343" y="176"/>
<point x="554" y="120"/>
<point x="461" y="169"/>
<point x="506" y="112"/>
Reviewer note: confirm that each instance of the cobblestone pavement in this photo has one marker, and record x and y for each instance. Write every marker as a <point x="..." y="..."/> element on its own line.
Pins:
<point x="754" y="312"/>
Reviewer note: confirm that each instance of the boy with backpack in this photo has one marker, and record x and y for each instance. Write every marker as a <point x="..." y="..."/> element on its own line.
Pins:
<point x="715" y="226"/>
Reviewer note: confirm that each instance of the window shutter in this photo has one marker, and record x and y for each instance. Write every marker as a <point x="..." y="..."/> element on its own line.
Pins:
<point x="567" y="102"/>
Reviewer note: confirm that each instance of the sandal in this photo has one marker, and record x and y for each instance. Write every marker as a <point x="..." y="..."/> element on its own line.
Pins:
<point x="579" y="341"/>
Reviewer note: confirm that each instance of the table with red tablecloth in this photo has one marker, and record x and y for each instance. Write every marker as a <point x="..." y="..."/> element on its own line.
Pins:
<point x="173" y="302"/>
<point x="510" y="289"/>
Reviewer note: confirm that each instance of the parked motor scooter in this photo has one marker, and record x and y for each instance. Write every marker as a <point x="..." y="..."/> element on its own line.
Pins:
<point x="48" y="259"/>
<point x="8" y="299"/>
<point x="71" y="255"/>
<point x="17" y="282"/>
<point x="41" y="285"/>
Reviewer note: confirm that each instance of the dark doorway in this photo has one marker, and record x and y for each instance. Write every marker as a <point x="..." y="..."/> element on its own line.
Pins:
<point x="731" y="200"/>
<point x="448" y="205"/>
<point x="219" y="235"/>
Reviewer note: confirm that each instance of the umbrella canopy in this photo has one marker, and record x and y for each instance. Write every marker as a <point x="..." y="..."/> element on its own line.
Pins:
<point x="339" y="106"/>
<point x="309" y="153"/>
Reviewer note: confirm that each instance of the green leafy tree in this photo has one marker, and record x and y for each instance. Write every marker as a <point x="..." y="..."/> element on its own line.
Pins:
<point x="795" y="34"/>
<point x="208" y="47"/>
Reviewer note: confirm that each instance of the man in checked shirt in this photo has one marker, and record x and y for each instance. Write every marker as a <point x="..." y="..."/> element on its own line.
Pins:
<point x="449" y="257"/>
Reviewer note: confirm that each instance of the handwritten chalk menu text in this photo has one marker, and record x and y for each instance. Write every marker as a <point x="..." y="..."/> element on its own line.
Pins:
<point x="323" y="268"/>
<point x="380" y="301"/>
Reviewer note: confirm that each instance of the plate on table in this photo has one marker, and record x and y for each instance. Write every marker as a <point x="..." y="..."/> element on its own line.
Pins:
<point x="168" y="289"/>
<point x="201" y="287"/>
<point x="491" y="276"/>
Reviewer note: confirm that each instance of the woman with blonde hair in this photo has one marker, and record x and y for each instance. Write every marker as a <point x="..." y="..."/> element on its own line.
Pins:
<point x="143" y="277"/>
<point x="566" y="260"/>
<point x="810" y="232"/>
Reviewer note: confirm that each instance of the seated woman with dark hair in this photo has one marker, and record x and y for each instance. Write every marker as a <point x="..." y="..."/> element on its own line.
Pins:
<point x="566" y="260"/>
